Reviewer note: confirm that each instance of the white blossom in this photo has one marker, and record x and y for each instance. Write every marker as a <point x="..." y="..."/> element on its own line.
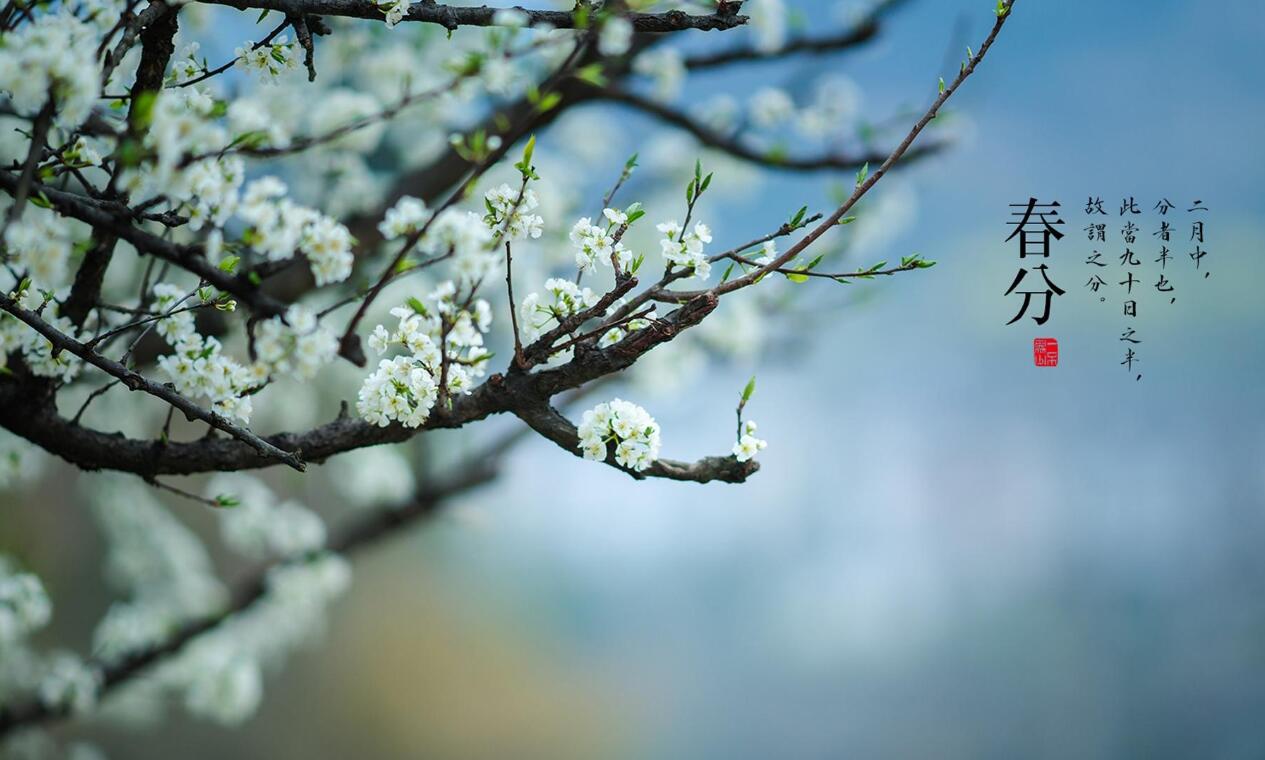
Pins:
<point x="771" y="107"/>
<point x="403" y="389"/>
<point x="565" y="299"/>
<point x="69" y="682"/>
<point x="228" y="686"/>
<point x="508" y="211"/>
<point x="24" y="606"/>
<point x="630" y="428"/>
<point x="270" y="61"/>
<point x="596" y="243"/>
<point x="53" y="55"/>
<point x="615" y="36"/>
<point x="406" y="217"/>
<point x="666" y="67"/>
<point x="768" y="24"/>
<point x="685" y="249"/>
<point x="395" y="10"/>
<point x="748" y="445"/>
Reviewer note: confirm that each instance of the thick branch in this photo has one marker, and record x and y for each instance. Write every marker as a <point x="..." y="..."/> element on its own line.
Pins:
<point x="137" y="382"/>
<point x="452" y="17"/>
<point x="28" y="412"/>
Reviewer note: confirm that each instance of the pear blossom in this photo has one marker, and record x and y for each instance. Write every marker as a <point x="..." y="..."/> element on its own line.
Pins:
<point x="270" y="61"/>
<point x="24" y="605"/>
<point x="748" y="445"/>
<point x="406" y="217"/>
<point x="685" y="249"/>
<point x="565" y="299"/>
<point x="629" y="427"/>
<point x="507" y="210"/>
<point x="615" y="36"/>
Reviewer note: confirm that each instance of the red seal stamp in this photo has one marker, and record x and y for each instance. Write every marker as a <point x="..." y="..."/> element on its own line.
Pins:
<point x="1045" y="352"/>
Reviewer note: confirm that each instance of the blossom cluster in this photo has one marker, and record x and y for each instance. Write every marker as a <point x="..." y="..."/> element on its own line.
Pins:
<point x="24" y="606"/>
<point x="297" y="346"/>
<point x="279" y="227"/>
<point x="630" y="428"/>
<point x="565" y="299"/>
<point x="269" y="61"/>
<point x="748" y="445"/>
<point x="464" y="236"/>
<point x="685" y="249"/>
<point x="507" y="210"/>
<point x="36" y="350"/>
<point x="406" y="217"/>
<point x="39" y="244"/>
<point x="198" y="367"/>
<point x="597" y="242"/>
<point x="68" y="681"/>
<point x="443" y="339"/>
<point x="253" y="523"/>
<point x="52" y="56"/>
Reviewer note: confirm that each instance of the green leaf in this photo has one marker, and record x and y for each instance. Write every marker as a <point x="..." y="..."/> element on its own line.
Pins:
<point x="226" y="500"/>
<point x="847" y="220"/>
<point x="749" y="390"/>
<point x="941" y="85"/>
<point x="417" y="306"/>
<point x="797" y="218"/>
<point x="592" y="74"/>
<point x="229" y="263"/>
<point x="1002" y="9"/>
<point x="863" y="172"/>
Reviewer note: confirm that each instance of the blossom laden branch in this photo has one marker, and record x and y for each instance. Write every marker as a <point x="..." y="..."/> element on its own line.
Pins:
<point x="452" y="17"/>
<point x="137" y="382"/>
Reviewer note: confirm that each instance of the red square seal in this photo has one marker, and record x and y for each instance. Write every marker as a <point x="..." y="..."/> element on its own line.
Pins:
<point x="1045" y="352"/>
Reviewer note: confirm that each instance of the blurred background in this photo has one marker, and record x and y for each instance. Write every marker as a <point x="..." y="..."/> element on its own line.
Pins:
<point x="948" y="552"/>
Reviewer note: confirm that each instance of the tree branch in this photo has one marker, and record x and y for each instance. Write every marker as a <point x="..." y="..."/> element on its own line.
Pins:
<point x="357" y="534"/>
<point x="137" y="382"/>
<point x="548" y="422"/>
<point x="734" y="146"/>
<point x="451" y="17"/>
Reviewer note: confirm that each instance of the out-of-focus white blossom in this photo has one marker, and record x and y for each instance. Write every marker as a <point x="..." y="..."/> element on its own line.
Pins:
<point x="69" y="682"/>
<point x="24" y="606"/>
<point x="771" y="107"/>
<point x="666" y="67"/>
<point x="53" y="55"/>
<point x="767" y="24"/>
<point x="615" y="36"/>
